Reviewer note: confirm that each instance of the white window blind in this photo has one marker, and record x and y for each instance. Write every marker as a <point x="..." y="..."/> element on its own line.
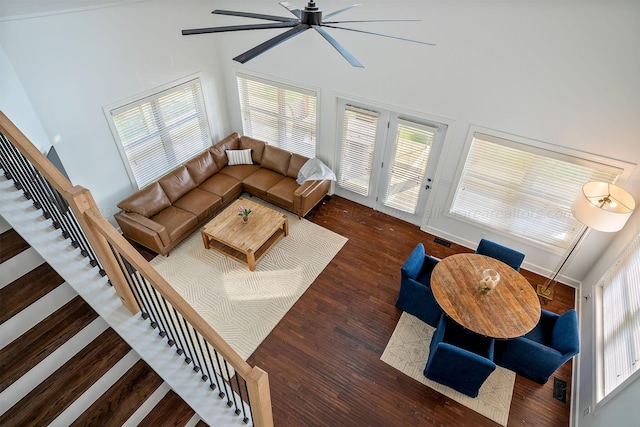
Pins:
<point x="524" y="190"/>
<point x="161" y="131"/>
<point x="279" y="114"/>
<point x="412" y="150"/>
<point x="358" y="141"/>
<point x="620" y="315"/>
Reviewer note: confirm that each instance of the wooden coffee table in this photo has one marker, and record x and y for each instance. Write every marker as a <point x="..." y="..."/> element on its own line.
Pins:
<point x="246" y="243"/>
<point x="510" y="310"/>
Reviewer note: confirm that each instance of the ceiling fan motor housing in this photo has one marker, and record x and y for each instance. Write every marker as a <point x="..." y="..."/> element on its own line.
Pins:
<point x="311" y="15"/>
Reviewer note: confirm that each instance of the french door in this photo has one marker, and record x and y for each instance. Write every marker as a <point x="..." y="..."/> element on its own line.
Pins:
<point x="387" y="160"/>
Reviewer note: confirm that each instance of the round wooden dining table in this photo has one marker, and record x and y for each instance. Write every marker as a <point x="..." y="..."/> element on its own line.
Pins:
<point x="509" y="310"/>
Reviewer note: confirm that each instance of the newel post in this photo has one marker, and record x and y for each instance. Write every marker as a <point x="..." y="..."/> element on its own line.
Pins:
<point x="260" y="397"/>
<point x="82" y="204"/>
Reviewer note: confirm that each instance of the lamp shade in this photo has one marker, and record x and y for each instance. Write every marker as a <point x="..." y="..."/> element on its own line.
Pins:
<point x="603" y="207"/>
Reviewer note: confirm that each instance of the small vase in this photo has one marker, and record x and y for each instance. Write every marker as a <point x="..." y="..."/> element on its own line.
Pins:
<point x="490" y="279"/>
<point x="245" y="219"/>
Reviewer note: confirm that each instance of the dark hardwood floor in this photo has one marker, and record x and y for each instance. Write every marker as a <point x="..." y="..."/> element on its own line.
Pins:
<point x="323" y="358"/>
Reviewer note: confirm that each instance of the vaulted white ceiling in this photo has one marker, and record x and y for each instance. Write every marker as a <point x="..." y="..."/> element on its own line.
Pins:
<point x="17" y="9"/>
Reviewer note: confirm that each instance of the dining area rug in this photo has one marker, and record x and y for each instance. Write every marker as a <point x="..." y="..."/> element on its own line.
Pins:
<point x="408" y="351"/>
<point x="243" y="306"/>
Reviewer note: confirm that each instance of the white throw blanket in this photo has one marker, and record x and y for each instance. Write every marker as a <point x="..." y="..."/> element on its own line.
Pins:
<point x="314" y="170"/>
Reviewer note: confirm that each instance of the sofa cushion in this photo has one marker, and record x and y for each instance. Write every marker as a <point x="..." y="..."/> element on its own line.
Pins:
<point x="224" y="186"/>
<point x="239" y="157"/>
<point x="146" y="202"/>
<point x="297" y="161"/>
<point x="202" y="167"/>
<point x="256" y="146"/>
<point x="259" y="182"/>
<point x="200" y="203"/>
<point x="219" y="150"/>
<point x="176" y="221"/>
<point x="276" y="159"/>
<point x="281" y="193"/>
<point x="177" y="183"/>
<point x="239" y="172"/>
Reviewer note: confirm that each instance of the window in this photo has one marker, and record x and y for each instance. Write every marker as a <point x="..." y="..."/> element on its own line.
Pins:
<point x="619" y="320"/>
<point x="359" y="129"/>
<point x="524" y="190"/>
<point x="159" y="132"/>
<point x="281" y="115"/>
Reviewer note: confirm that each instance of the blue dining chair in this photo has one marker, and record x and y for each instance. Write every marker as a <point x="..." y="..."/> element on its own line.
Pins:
<point x="416" y="296"/>
<point x="537" y="354"/>
<point x="459" y="358"/>
<point x="495" y="250"/>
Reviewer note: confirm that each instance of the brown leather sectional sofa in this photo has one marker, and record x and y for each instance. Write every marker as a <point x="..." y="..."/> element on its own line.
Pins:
<point x="165" y="212"/>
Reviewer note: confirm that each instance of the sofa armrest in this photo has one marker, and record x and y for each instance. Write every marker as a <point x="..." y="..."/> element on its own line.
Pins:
<point x="308" y="195"/>
<point x="143" y="230"/>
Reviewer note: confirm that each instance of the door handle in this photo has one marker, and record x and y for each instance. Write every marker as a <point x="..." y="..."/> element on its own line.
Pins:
<point x="426" y="187"/>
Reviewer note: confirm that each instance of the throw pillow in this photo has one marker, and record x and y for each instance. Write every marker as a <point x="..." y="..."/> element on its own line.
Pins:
<point x="239" y="157"/>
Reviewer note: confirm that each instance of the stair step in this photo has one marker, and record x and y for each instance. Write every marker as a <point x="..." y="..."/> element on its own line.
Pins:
<point x="43" y="370"/>
<point x="27" y="289"/>
<point x="97" y="389"/>
<point x="149" y="404"/>
<point x="11" y="244"/>
<point x="171" y="410"/>
<point x="16" y="267"/>
<point x="47" y="401"/>
<point x="123" y="398"/>
<point x="35" y="313"/>
<point x="32" y="347"/>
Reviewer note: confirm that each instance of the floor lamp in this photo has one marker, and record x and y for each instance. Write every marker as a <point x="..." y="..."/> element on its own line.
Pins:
<point x="601" y="206"/>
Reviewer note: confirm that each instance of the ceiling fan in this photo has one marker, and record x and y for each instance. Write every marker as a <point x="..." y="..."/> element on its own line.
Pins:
<point x="309" y="17"/>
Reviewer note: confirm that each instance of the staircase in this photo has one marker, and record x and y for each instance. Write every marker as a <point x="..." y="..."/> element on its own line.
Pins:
<point x="60" y="362"/>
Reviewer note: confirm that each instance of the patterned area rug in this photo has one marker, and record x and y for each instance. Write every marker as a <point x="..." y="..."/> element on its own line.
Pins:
<point x="408" y="350"/>
<point x="241" y="305"/>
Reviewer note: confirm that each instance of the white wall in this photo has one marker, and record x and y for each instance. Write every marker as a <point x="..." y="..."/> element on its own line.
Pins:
<point x="15" y="104"/>
<point x="74" y="64"/>
<point x="564" y="73"/>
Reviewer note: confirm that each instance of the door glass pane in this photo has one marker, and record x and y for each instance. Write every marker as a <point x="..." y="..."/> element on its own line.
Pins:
<point x="411" y="154"/>
<point x="356" y="155"/>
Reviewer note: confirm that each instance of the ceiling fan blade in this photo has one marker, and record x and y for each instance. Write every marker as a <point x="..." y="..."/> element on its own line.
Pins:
<point x="379" y="34"/>
<point x="263" y="47"/>
<point x="372" y="20"/>
<point x="238" y="28"/>
<point x="341" y="10"/>
<point x="344" y="52"/>
<point x="254" y="15"/>
<point x="291" y="8"/>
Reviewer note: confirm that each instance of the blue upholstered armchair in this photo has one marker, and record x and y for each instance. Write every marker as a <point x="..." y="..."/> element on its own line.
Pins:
<point x="415" y="295"/>
<point x="537" y="355"/>
<point x="458" y="358"/>
<point x="495" y="250"/>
